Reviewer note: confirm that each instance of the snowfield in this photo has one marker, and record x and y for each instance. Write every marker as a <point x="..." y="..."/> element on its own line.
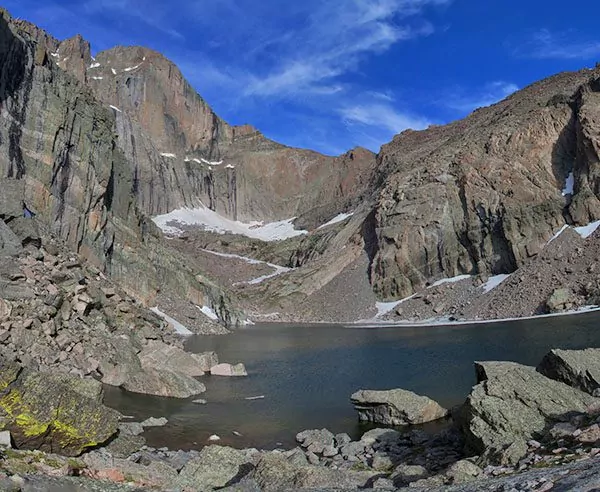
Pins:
<point x="211" y="221"/>
<point x="336" y="220"/>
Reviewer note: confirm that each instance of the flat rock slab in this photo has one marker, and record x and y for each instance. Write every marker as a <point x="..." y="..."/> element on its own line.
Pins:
<point x="396" y="407"/>
<point x="577" y="368"/>
<point x="510" y="405"/>
<point x="228" y="370"/>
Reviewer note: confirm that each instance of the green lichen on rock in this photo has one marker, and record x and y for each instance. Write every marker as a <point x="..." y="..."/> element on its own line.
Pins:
<point x="48" y="413"/>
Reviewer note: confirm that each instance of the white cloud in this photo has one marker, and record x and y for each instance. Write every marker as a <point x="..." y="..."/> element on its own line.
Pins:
<point x="382" y="116"/>
<point x="490" y="94"/>
<point x="545" y="44"/>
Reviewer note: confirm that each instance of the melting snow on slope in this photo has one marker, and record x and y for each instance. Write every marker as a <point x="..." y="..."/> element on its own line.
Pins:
<point x="169" y="155"/>
<point x="558" y="233"/>
<point x="97" y="78"/>
<point x="113" y="71"/>
<point x="179" y="328"/>
<point x="584" y="231"/>
<point x="587" y="230"/>
<point x="208" y="312"/>
<point x="450" y="280"/>
<point x="94" y="65"/>
<point x="115" y="108"/>
<point x="336" y="219"/>
<point x="214" y="222"/>
<point x="279" y="270"/>
<point x="384" y="308"/>
<point x="129" y="69"/>
<point x="211" y="163"/>
<point x="569" y="184"/>
<point x="494" y="282"/>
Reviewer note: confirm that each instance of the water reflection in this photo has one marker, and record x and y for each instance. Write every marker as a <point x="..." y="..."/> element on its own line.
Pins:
<point x="308" y="372"/>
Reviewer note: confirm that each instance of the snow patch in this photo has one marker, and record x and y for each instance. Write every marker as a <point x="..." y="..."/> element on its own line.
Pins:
<point x="187" y="159"/>
<point x="279" y="270"/>
<point x="115" y="108"/>
<point x="55" y="55"/>
<point x="208" y="312"/>
<point x="129" y="69"/>
<point x="97" y="78"/>
<point x="230" y="166"/>
<point x="113" y="71"/>
<point x="212" y="163"/>
<point x="450" y="280"/>
<point x="179" y="328"/>
<point x="587" y="230"/>
<point x="384" y="308"/>
<point x="338" y="218"/>
<point x="94" y="65"/>
<point x="210" y="220"/>
<point x="169" y="155"/>
<point x="494" y="282"/>
<point x="569" y="184"/>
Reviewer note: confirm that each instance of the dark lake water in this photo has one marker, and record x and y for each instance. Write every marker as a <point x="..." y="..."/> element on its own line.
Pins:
<point x="307" y="374"/>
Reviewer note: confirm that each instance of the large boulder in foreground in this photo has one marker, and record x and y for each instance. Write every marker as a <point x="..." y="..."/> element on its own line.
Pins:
<point x="396" y="407"/>
<point x="511" y="404"/>
<point x="577" y="368"/>
<point x="214" y="468"/>
<point x="57" y="414"/>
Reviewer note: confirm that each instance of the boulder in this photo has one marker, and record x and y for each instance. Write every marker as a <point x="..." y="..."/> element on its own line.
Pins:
<point x="560" y="300"/>
<point x="274" y="473"/>
<point x="396" y="407"/>
<point x="206" y="360"/>
<point x="510" y="405"/>
<point x="160" y="356"/>
<point x="52" y="414"/>
<point x="163" y="383"/>
<point x="577" y="368"/>
<point x="316" y="441"/>
<point x="214" y="468"/>
<point x="463" y="471"/>
<point x="10" y="245"/>
<point x="228" y="370"/>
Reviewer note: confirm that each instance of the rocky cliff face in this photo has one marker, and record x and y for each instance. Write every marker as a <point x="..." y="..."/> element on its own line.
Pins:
<point x="485" y="193"/>
<point x="59" y="149"/>
<point x="184" y="153"/>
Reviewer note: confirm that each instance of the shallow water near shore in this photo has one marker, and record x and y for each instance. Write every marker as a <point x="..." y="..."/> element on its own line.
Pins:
<point x="307" y="373"/>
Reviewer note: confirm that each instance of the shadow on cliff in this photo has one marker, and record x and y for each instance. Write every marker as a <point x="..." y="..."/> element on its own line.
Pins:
<point x="564" y="151"/>
<point x="13" y="61"/>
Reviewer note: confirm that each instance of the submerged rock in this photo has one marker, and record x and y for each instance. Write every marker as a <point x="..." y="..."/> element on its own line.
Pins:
<point x="396" y="407"/>
<point x="577" y="368"/>
<point x="510" y="405"/>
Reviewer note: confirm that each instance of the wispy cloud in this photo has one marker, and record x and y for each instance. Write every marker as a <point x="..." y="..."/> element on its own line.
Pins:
<point x="545" y="44"/>
<point x="335" y="39"/>
<point x="490" y="94"/>
<point x="382" y="116"/>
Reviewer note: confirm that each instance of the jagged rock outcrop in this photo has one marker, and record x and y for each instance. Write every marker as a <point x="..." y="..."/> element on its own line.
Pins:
<point x="577" y="368"/>
<point x="483" y="194"/>
<point x="510" y="405"/>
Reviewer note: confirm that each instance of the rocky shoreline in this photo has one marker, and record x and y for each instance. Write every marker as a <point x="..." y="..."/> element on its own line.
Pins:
<point x="521" y="428"/>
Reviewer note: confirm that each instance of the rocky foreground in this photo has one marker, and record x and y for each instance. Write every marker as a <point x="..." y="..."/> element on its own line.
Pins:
<point x="521" y="428"/>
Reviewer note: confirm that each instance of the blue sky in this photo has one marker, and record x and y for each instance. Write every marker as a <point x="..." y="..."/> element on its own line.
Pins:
<point x="333" y="74"/>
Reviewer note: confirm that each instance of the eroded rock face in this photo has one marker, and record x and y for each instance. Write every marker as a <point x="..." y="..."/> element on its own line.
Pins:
<point x="483" y="194"/>
<point x="61" y="414"/>
<point x="396" y="407"/>
<point x="510" y="405"/>
<point x="577" y="368"/>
